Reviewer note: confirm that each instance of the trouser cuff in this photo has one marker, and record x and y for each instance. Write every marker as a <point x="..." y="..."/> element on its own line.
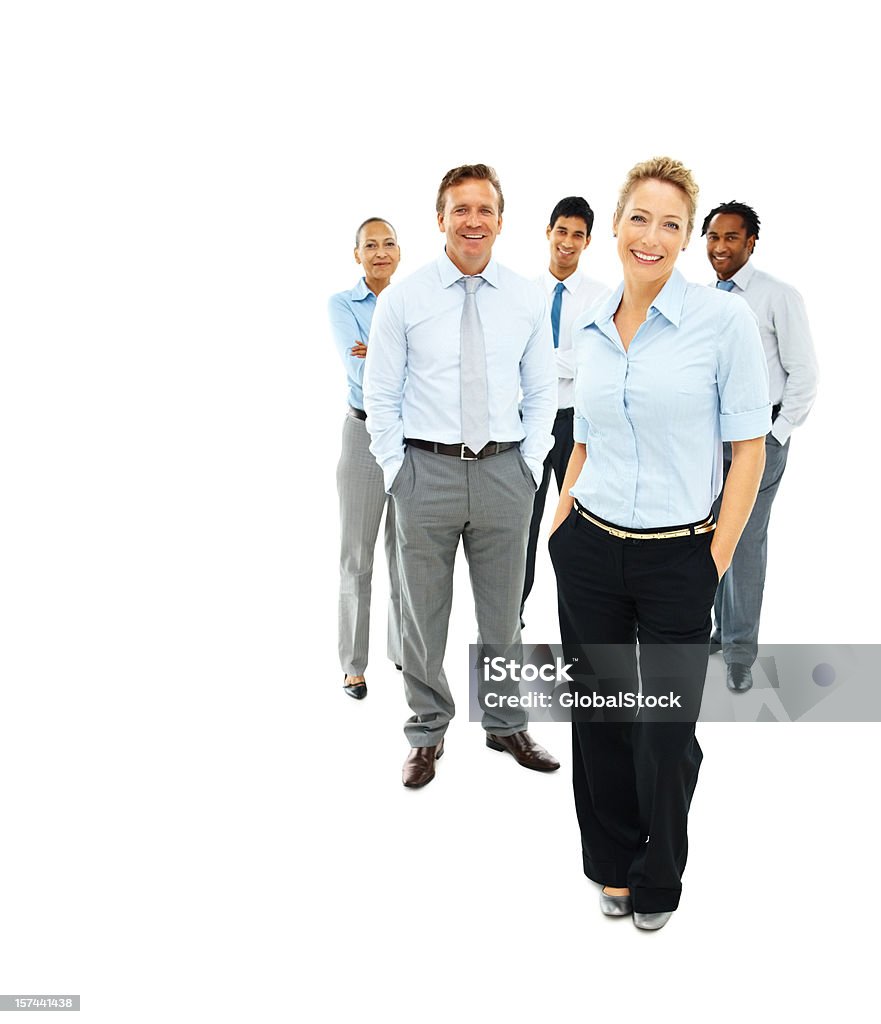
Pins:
<point x="654" y="901"/>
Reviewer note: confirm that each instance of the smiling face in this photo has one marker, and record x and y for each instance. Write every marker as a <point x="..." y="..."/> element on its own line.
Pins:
<point x="652" y="231"/>
<point x="378" y="252"/>
<point x="569" y="239"/>
<point x="728" y="245"/>
<point x="471" y="221"/>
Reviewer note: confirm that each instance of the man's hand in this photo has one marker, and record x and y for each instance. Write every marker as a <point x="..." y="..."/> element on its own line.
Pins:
<point x="359" y="350"/>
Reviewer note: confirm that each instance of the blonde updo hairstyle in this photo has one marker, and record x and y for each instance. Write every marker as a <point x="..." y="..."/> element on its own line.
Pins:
<point x="661" y="168"/>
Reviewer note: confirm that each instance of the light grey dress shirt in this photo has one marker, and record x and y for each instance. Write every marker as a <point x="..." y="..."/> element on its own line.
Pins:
<point x="411" y="380"/>
<point x="579" y="295"/>
<point x="789" y="349"/>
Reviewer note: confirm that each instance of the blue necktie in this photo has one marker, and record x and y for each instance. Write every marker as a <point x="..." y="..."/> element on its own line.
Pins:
<point x="556" y="306"/>
<point x="726" y="286"/>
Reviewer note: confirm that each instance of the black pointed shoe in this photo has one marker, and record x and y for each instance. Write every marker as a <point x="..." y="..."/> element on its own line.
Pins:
<point x="356" y="690"/>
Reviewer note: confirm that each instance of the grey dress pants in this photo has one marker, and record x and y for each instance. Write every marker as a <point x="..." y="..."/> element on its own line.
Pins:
<point x="362" y="499"/>
<point x="738" y="605"/>
<point x="487" y="504"/>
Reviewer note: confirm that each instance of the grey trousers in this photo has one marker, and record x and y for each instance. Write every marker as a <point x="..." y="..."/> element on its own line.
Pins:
<point x="738" y="604"/>
<point x="362" y="499"/>
<point x="488" y="504"/>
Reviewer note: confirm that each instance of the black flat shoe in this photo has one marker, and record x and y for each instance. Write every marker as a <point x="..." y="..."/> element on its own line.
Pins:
<point x="356" y="690"/>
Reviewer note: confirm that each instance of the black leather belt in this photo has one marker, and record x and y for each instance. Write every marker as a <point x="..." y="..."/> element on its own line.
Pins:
<point x="461" y="451"/>
<point x="357" y="414"/>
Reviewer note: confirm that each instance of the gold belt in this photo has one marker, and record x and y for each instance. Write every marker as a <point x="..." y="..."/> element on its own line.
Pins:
<point x="705" y="526"/>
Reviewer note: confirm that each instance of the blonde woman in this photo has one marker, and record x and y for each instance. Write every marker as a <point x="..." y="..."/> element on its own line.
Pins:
<point x="665" y="372"/>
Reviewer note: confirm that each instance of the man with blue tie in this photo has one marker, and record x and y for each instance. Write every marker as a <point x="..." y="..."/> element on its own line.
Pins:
<point x="732" y="230"/>
<point x="570" y="293"/>
<point x="451" y="349"/>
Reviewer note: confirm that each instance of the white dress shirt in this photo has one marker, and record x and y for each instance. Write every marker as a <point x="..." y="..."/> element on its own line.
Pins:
<point x="580" y="293"/>
<point x="786" y="337"/>
<point x="411" y="380"/>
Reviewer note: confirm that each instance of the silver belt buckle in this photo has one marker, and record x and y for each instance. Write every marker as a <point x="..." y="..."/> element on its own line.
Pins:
<point x="464" y="457"/>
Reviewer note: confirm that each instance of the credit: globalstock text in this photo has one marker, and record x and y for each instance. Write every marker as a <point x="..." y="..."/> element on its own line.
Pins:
<point x="581" y="700"/>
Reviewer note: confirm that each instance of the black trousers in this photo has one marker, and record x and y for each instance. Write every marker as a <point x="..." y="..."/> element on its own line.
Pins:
<point x="557" y="460"/>
<point x="634" y="777"/>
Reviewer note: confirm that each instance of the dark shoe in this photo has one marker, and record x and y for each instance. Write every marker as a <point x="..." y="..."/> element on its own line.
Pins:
<point x="715" y="645"/>
<point x="400" y="668"/>
<point x="419" y="766"/>
<point x="525" y="751"/>
<point x="740" y="678"/>
<point x="356" y="690"/>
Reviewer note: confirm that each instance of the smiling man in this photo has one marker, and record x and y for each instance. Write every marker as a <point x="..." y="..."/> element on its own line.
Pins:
<point x="451" y="349"/>
<point x="570" y="293"/>
<point x="732" y="231"/>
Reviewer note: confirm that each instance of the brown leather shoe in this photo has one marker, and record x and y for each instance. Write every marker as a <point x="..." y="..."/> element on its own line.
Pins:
<point x="523" y="748"/>
<point x="419" y="766"/>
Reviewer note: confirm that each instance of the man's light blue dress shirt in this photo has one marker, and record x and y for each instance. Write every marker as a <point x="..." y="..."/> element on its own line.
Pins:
<point x="654" y="416"/>
<point x="415" y="338"/>
<point x="351" y="313"/>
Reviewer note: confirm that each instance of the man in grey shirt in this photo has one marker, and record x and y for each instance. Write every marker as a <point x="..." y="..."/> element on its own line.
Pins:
<point x="732" y="230"/>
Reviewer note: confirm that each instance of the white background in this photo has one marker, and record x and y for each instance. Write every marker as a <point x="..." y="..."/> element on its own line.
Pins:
<point x="195" y="824"/>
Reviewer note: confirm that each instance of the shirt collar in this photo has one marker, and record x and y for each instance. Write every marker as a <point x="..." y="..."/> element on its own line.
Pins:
<point x="361" y="291"/>
<point x="571" y="284"/>
<point x="670" y="298"/>
<point x="606" y="310"/>
<point x="743" y="276"/>
<point x="450" y="273"/>
<point x="668" y="303"/>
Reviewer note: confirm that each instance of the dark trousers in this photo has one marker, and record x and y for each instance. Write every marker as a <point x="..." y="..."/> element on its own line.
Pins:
<point x="634" y="779"/>
<point x="557" y="460"/>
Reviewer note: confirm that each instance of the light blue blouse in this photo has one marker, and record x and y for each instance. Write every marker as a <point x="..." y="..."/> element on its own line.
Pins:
<point x="654" y="416"/>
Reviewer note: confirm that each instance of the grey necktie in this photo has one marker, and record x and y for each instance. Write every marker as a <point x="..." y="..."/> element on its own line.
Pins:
<point x="472" y="370"/>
